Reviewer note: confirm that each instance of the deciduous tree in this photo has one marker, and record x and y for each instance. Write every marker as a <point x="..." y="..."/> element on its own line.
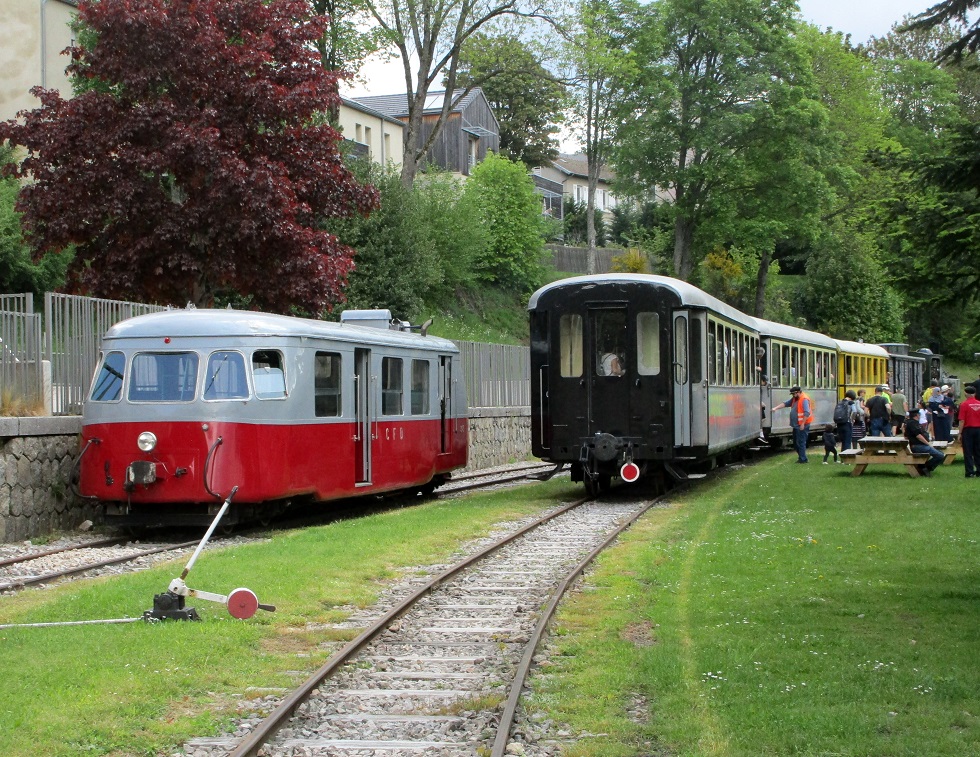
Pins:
<point x="429" y="38"/>
<point x="201" y="165"/>
<point x="527" y="99"/>
<point x="709" y="81"/>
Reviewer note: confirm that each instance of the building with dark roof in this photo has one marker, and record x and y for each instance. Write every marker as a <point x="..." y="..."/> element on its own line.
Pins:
<point x="470" y="132"/>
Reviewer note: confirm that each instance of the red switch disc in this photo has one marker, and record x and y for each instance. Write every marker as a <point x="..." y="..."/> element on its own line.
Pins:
<point x="242" y="603"/>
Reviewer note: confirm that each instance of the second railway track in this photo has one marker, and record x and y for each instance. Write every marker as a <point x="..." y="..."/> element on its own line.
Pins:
<point x="441" y="672"/>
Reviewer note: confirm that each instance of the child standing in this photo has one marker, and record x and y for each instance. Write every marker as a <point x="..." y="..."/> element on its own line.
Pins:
<point x="829" y="443"/>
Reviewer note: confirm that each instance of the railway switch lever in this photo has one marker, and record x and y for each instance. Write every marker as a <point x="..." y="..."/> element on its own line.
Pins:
<point x="242" y="603"/>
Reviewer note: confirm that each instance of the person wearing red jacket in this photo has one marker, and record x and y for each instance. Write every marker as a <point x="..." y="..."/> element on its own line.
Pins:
<point x="969" y="422"/>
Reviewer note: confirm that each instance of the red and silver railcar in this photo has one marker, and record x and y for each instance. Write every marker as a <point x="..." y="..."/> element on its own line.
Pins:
<point x="187" y="404"/>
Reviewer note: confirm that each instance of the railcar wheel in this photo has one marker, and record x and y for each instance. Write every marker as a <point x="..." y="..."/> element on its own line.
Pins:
<point x="591" y="486"/>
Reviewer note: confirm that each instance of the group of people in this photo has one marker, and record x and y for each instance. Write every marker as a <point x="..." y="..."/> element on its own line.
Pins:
<point x="889" y="414"/>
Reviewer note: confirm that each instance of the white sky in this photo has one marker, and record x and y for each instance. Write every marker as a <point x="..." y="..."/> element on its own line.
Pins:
<point x="862" y="19"/>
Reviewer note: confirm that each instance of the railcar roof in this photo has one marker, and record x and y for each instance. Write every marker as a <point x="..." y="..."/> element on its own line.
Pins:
<point x="861" y="348"/>
<point x="214" y="324"/>
<point x="688" y="293"/>
<point x="782" y="331"/>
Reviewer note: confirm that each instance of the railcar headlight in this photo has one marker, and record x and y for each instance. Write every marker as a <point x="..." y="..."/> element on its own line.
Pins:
<point x="147" y="441"/>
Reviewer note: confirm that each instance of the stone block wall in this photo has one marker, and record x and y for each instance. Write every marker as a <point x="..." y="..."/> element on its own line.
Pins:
<point x="36" y="460"/>
<point x="498" y="436"/>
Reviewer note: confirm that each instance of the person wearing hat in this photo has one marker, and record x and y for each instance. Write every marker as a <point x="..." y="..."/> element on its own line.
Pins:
<point x="800" y="418"/>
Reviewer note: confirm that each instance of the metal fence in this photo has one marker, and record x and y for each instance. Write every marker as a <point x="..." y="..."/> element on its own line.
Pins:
<point x="75" y="326"/>
<point x="497" y="375"/>
<point x="21" y="366"/>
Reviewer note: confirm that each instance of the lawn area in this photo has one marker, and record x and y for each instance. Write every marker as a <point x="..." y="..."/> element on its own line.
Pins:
<point x="143" y="689"/>
<point x="781" y="610"/>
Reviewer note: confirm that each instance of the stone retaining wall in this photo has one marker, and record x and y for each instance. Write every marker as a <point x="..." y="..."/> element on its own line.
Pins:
<point x="37" y="456"/>
<point x="36" y="460"/>
<point x="498" y="436"/>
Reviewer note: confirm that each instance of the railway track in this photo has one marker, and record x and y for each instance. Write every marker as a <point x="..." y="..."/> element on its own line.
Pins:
<point x="50" y="566"/>
<point x="441" y="672"/>
<point x="38" y="567"/>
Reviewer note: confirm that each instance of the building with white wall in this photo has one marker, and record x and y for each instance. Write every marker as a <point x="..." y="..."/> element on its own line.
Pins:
<point x="33" y="35"/>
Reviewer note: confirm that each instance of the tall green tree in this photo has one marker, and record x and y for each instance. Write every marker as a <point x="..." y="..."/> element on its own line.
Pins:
<point x="601" y="62"/>
<point x="527" y="99"/>
<point x="710" y="81"/>
<point x="510" y="212"/>
<point x="429" y="38"/>
<point x="847" y="293"/>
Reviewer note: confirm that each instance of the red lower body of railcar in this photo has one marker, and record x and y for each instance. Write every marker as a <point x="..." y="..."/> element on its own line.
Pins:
<point x="265" y="461"/>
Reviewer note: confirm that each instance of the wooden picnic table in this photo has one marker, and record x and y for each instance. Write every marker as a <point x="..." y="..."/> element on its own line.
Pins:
<point x="884" y="450"/>
<point x="949" y="450"/>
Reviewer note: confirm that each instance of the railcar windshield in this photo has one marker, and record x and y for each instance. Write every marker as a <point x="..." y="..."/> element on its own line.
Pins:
<point x="108" y="383"/>
<point x="163" y="377"/>
<point x="225" y="377"/>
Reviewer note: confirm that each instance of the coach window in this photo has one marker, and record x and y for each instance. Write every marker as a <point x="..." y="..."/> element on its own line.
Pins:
<point x="107" y="386"/>
<point x="326" y="385"/>
<point x="570" y="345"/>
<point x="225" y="377"/>
<point x="391" y="386"/>
<point x="163" y="377"/>
<point x="420" y="387"/>
<point x="267" y="373"/>
<point x="810" y="368"/>
<point x="648" y="344"/>
<point x="775" y="369"/>
<point x="696" y="351"/>
<point x="610" y="334"/>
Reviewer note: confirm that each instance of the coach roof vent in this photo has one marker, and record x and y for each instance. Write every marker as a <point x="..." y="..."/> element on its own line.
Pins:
<point x="375" y="319"/>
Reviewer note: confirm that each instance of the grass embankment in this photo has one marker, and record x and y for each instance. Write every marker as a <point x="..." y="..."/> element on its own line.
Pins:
<point x="140" y="689"/>
<point x="782" y="611"/>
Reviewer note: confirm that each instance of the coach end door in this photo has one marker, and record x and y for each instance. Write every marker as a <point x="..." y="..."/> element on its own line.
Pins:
<point x="608" y="370"/>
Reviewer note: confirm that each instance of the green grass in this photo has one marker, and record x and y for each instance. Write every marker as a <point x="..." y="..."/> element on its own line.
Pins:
<point x="484" y="314"/>
<point x="782" y="612"/>
<point x="142" y="689"/>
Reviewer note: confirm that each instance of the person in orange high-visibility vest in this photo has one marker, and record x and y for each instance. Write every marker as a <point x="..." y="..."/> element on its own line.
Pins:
<point x="800" y="418"/>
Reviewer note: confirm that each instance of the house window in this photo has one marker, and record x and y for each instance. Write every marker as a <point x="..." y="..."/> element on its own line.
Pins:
<point x="357" y="133"/>
<point x="367" y="139"/>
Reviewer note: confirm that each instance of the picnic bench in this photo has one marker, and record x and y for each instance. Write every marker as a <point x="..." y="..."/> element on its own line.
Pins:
<point x="884" y="450"/>
<point x="949" y="449"/>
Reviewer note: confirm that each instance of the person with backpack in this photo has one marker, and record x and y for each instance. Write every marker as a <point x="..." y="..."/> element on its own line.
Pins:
<point x="842" y="417"/>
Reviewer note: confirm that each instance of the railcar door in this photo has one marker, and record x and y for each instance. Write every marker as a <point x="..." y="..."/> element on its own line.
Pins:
<point x="446" y="403"/>
<point x="608" y="369"/>
<point x="682" y="381"/>
<point x="363" y="413"/>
